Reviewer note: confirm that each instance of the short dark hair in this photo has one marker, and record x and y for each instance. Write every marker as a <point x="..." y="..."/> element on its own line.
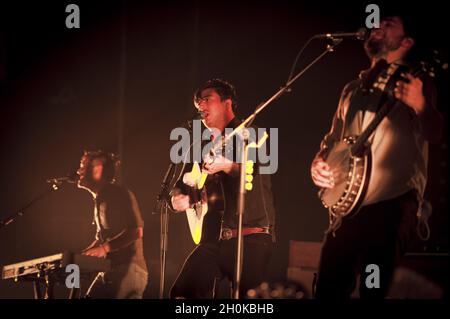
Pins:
<point x="409" y="27"/>
<point x="111" y="163"/>
<point x="223" y="88"/>
<point x="419" y="23"/>
<point x="411" y="30"/>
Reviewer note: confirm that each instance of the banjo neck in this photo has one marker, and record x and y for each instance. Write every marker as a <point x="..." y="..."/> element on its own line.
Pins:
<point x="389" y="102"/>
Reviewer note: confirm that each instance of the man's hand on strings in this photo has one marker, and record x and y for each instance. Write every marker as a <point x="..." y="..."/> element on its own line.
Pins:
<point x="410" y="93"/>
<point x="321" y="173"/>
<point x="220" y="164"/>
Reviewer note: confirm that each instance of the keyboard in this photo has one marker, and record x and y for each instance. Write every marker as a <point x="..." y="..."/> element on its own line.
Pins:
<point x="35" y="268"/>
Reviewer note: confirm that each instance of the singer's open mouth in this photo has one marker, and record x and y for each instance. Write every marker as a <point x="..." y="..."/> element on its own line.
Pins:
<point x="377" y="34"/>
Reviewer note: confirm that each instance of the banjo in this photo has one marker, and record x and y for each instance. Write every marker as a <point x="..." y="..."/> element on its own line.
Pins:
<point x="350" y="159"/>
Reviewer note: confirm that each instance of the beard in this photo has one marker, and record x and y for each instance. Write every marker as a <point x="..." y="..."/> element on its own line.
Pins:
<point x="86" y="181"/>
<point x="374" y="47"/>
<point x="84" y="184"/>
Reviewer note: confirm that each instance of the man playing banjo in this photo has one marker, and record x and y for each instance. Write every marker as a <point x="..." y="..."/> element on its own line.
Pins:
<point x="378" y="230"/>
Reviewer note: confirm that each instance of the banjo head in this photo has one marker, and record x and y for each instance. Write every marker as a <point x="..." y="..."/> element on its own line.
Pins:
<point x="350" y="175"/>
<point x="340" y="162"/>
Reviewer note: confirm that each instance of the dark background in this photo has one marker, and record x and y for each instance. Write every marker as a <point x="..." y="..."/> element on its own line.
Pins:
<point x="125" y="79"/>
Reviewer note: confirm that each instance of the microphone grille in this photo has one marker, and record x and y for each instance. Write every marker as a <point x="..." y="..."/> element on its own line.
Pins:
<point x="362" y="34"/>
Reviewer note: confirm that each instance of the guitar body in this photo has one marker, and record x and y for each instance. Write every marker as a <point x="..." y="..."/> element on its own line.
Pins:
<point x="195" y="216"/>
<point x="206" y="195"/>
<point x="351" y="178"/>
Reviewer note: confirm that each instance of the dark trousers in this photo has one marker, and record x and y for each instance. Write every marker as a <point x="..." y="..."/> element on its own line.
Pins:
<point x="378" y="234"/>
<point x="213" y="260"/>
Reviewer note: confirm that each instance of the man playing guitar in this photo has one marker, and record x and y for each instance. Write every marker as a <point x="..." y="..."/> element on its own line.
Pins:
<point x="214" y="257"/>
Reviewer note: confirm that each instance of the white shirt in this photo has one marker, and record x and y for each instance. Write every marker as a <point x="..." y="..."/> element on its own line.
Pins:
<point x="399" y="149"/>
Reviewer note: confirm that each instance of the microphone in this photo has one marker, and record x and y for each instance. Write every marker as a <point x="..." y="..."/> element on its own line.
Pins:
<point x="70" y="178"/>
<point x="361" y="34"/>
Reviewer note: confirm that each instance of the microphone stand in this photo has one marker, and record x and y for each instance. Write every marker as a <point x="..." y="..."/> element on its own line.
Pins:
<point x="162" y="202"/>
<point x="244" y="140"/>
<point x="55" y="184"/>
<point x="240" y="212"/>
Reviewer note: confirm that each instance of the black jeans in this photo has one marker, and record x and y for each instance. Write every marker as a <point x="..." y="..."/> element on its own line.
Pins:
<point x="378" y="234"/>
<point x="214" y="260"/>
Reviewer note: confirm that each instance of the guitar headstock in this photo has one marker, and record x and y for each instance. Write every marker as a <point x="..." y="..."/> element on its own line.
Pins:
<point x="432" y="65"/>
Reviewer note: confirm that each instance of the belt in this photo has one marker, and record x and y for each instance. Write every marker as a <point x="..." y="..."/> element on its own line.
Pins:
<point x="228" y="233"/>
